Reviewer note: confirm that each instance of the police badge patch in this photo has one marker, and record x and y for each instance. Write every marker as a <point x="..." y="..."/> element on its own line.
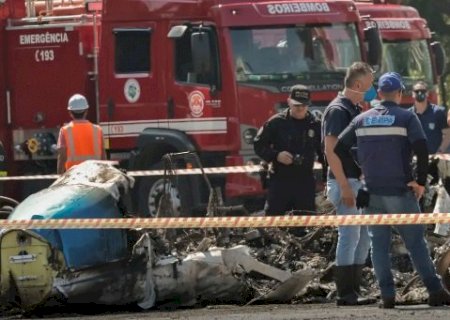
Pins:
<point x="431" y="125"/>
<point x="311" y="133"/>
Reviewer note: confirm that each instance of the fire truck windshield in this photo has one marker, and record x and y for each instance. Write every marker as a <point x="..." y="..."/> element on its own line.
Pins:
<point x="308" y="53"/>
<point x="409" y="58"/>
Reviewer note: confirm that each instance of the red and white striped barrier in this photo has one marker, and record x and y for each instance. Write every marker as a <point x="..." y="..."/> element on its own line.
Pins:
<point x="212" y="170"/>
<point x="230" y="222"/>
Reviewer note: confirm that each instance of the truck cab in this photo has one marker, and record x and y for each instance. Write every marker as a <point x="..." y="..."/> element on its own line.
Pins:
<point x="165" y="76"/>
<point x="212" y="72"/>
<point x="408" y="47"/>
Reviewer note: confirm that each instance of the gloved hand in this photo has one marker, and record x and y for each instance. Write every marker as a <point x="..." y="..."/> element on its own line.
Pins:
<point x="362" y="199"/>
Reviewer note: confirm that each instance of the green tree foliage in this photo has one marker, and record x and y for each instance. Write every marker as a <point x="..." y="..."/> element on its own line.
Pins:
<point x="437" y="13"/>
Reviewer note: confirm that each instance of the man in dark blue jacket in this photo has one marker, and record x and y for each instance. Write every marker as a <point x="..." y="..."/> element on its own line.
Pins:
<point x="431" y="116"/>
<point x="386" y="137"/>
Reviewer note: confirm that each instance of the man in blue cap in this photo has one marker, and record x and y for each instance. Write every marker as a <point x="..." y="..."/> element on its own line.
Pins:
<point x="386" y="136"/>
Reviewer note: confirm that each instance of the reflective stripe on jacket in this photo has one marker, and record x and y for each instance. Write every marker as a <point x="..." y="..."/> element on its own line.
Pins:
<point x="84" y="141"/>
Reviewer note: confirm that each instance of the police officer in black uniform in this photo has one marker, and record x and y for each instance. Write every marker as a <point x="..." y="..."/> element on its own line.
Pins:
<point x="289" y="141"/>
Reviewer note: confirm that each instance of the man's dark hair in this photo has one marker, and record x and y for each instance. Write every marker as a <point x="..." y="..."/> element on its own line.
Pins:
<point x="356" y="71"/>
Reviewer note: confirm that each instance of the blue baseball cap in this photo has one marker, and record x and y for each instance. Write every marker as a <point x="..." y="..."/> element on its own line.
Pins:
<point x="390" y="81"/>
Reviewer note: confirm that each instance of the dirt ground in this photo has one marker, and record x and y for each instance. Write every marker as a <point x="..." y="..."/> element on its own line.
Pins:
<point x="325" y="311"/>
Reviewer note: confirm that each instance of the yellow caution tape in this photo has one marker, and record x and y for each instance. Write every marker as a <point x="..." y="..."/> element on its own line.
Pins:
<point x="230" y="222"/>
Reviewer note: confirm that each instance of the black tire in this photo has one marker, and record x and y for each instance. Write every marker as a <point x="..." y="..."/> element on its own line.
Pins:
<point x="150" y="189"/>
<point x="7" y="206"/>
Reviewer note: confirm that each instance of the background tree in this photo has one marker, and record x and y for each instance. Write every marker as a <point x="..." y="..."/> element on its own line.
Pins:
<point x="437" y="13"/>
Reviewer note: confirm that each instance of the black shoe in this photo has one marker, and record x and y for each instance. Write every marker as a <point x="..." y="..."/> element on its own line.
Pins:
<point x="440" y="298"/>
<point x="387" y="303"/>
<point x="344" y="286"/>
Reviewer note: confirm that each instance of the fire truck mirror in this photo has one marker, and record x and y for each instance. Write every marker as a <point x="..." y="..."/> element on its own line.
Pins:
<point x="439" y="56"/>
<point x="375" y="46"/>
<point x="201" y="53"/>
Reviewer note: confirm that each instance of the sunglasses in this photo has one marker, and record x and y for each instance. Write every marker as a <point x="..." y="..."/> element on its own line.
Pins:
<point x="420" y="91"/>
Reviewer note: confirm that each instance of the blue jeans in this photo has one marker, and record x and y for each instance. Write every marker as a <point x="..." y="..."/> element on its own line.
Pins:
<point x="353" y="241"/>
<point x="413" y="237"/>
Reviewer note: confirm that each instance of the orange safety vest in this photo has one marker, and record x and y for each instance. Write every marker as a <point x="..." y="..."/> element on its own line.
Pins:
<point x="84" y="141"/>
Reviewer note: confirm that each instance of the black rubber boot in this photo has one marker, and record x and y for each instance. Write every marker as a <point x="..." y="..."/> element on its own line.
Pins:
<point x="357" y="281"/>
<point x="387" y="303"/>
<point x="440" y="298"/>
<point x="346" y="296"/>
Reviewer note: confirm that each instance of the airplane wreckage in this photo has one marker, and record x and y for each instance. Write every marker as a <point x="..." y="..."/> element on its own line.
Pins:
<point x="118" y="266"/>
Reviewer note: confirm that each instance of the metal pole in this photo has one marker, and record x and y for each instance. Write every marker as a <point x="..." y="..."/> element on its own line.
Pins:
<point x="97" y="95"/>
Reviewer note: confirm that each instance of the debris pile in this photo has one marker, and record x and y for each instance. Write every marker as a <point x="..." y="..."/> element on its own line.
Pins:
<point x="175" y="267"/>
<point x="282" y="249"/>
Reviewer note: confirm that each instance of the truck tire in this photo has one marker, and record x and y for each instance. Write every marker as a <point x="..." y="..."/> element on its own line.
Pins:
<point x="150" y="191"/>
<point x="7" y="206"/>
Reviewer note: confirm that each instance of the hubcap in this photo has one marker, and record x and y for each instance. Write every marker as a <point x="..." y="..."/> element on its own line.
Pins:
<point x="155" y="195"/>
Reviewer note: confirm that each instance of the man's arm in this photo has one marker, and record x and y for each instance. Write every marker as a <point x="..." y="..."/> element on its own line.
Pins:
<point x="335" y="164"/>
<point x="418" y="142"/>
<point x="340" y="149"/>
<point x="62" y="158"/>
<point x="320" y="152"/>
<point x="420" y="149"/>
<point x="263" y="144"/>
<point x="334" y="123"/>
<point x="62" y="153"/>
<point x="445" y="131"/>
<point x="445" y="140"/>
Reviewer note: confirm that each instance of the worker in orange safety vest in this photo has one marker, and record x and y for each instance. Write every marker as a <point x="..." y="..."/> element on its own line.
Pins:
<point x="79" y="140"/>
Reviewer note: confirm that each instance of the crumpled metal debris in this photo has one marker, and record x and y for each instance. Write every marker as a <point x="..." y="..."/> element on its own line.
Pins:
<point x="216" y="275"/>
<point x="99" y="174"/>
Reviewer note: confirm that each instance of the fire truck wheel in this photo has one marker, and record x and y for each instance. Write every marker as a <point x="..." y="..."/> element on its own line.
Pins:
<point x="151" y="192"/>
<point x="7" y="206"/>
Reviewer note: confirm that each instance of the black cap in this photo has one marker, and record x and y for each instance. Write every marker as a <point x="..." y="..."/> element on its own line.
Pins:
<point x="300" y="94"/>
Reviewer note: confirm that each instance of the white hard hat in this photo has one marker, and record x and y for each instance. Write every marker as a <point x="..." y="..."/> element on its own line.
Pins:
<point x="77" y="103"/>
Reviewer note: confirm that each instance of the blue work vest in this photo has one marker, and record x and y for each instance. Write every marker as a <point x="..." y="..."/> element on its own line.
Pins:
<point x="384" y="150"/>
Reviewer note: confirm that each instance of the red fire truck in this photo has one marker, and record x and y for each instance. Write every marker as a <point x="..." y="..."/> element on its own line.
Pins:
<point x="166" y="76"/>
<point x="408" y="47"/>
